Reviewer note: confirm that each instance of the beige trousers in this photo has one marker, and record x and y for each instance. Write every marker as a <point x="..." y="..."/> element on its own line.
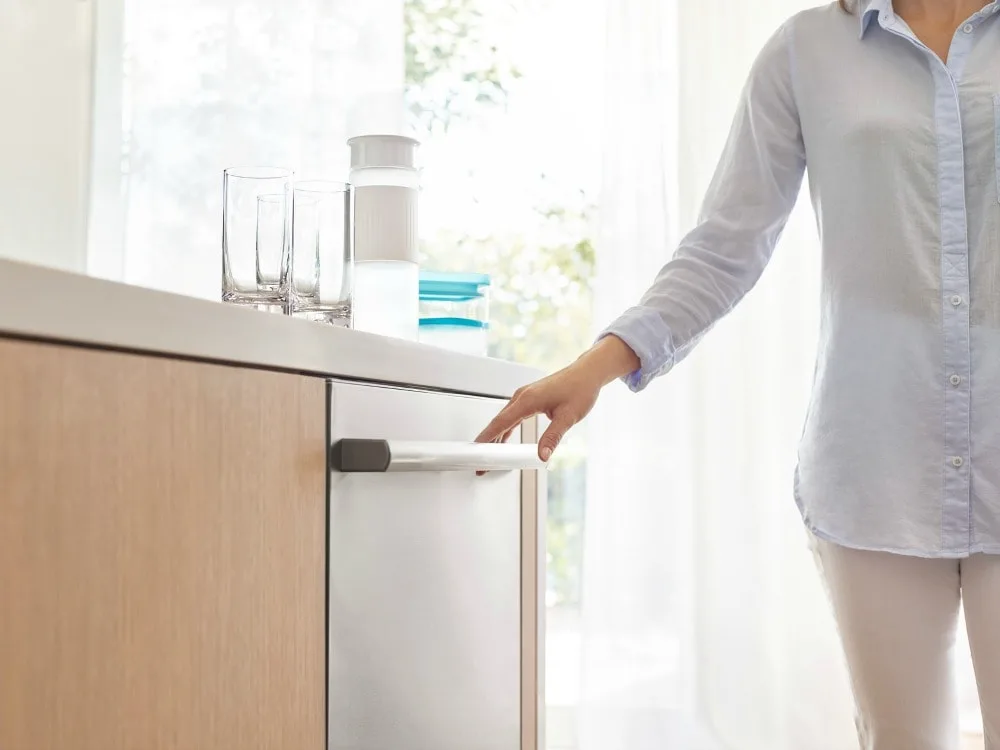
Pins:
<point x="898" y="618"/>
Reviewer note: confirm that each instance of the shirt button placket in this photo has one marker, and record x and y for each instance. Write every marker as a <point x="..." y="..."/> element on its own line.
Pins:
<point x="956" y="510"/>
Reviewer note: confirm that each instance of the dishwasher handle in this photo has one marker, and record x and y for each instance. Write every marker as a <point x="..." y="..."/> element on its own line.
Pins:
<point x="357" y="456"/>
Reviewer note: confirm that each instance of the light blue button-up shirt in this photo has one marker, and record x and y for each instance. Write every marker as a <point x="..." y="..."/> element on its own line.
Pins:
<point x="901" y="446"/>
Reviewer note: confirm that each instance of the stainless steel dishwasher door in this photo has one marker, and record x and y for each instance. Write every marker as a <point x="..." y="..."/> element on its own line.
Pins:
<point x="424" y="603"/>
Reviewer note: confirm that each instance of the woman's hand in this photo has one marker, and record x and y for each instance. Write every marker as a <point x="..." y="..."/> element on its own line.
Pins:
<point x="565" y="397"/>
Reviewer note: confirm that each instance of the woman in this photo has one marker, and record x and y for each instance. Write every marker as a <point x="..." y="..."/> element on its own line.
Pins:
<point x="895" y="109"/>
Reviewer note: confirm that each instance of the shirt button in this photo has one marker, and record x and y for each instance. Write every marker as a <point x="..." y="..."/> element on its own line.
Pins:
<point x="968" y="28"/>
<point x="956" y="300"/>
<point x="956" y="379"/>
<point x="958" y="462"/>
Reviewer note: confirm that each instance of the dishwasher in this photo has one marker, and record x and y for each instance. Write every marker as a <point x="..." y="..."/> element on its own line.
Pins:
<point x="434" y="575"/>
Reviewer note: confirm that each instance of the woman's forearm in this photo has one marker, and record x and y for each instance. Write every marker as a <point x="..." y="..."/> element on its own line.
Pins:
<point x="609" y="359"/>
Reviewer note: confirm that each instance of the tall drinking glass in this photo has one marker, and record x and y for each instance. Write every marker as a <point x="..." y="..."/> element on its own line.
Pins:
<point x="321" y="279"/>
<point x="256" y="235"/>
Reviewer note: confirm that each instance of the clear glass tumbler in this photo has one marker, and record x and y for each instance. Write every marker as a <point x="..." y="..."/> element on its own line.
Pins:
<point x="320" y="285"/>
<point x="256" y="236"/>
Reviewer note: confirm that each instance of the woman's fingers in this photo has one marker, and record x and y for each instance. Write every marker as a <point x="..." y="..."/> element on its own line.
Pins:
<point x="503" y="424"/>
<point x="509" y="419"/>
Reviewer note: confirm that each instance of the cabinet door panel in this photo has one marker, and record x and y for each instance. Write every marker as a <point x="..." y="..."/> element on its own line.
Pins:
<point x="161" y="554"/>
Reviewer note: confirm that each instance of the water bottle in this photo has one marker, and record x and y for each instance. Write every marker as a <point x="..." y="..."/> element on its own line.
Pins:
<point x="386" y="273"/>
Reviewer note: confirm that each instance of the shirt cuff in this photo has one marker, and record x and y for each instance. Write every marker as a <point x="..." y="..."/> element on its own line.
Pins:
<point x="645" y="333"/>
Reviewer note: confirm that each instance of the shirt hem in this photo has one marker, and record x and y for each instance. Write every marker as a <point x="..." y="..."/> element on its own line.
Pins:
<point x="939" y="554"/>
<point x="978" y="549"/>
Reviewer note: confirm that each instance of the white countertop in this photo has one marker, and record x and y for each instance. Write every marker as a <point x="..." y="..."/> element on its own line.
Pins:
<point x="40" y="303"/>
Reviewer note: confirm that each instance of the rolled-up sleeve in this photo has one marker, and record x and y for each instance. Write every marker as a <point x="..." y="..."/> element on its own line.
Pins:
<point x="749" y="199"/>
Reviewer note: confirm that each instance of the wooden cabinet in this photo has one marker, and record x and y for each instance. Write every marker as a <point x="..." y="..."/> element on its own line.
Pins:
<point x="162" y="554"/>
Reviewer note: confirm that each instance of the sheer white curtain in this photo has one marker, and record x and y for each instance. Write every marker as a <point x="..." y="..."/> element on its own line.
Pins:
<point x="704" y="622"/>
<point x="196" y="86"/>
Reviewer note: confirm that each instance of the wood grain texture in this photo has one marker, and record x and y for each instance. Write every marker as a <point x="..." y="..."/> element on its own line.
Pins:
<point x="161" y="554"/>
<point x="533" y="506"/>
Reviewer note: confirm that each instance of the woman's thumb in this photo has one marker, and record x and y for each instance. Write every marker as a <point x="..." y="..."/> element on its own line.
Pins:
<point x="552" y="436"/>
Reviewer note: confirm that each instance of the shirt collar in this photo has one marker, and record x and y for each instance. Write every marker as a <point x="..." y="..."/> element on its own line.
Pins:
<point x="870" y="10"/>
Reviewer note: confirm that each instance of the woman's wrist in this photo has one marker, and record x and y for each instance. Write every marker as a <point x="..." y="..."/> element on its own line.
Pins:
<point x="608" y="360"/>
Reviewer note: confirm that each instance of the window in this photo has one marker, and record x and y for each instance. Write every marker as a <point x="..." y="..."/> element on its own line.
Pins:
<point x="209" y="84"/>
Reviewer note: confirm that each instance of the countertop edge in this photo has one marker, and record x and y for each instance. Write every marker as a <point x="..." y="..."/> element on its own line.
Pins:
<point x="46" y="304"/>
